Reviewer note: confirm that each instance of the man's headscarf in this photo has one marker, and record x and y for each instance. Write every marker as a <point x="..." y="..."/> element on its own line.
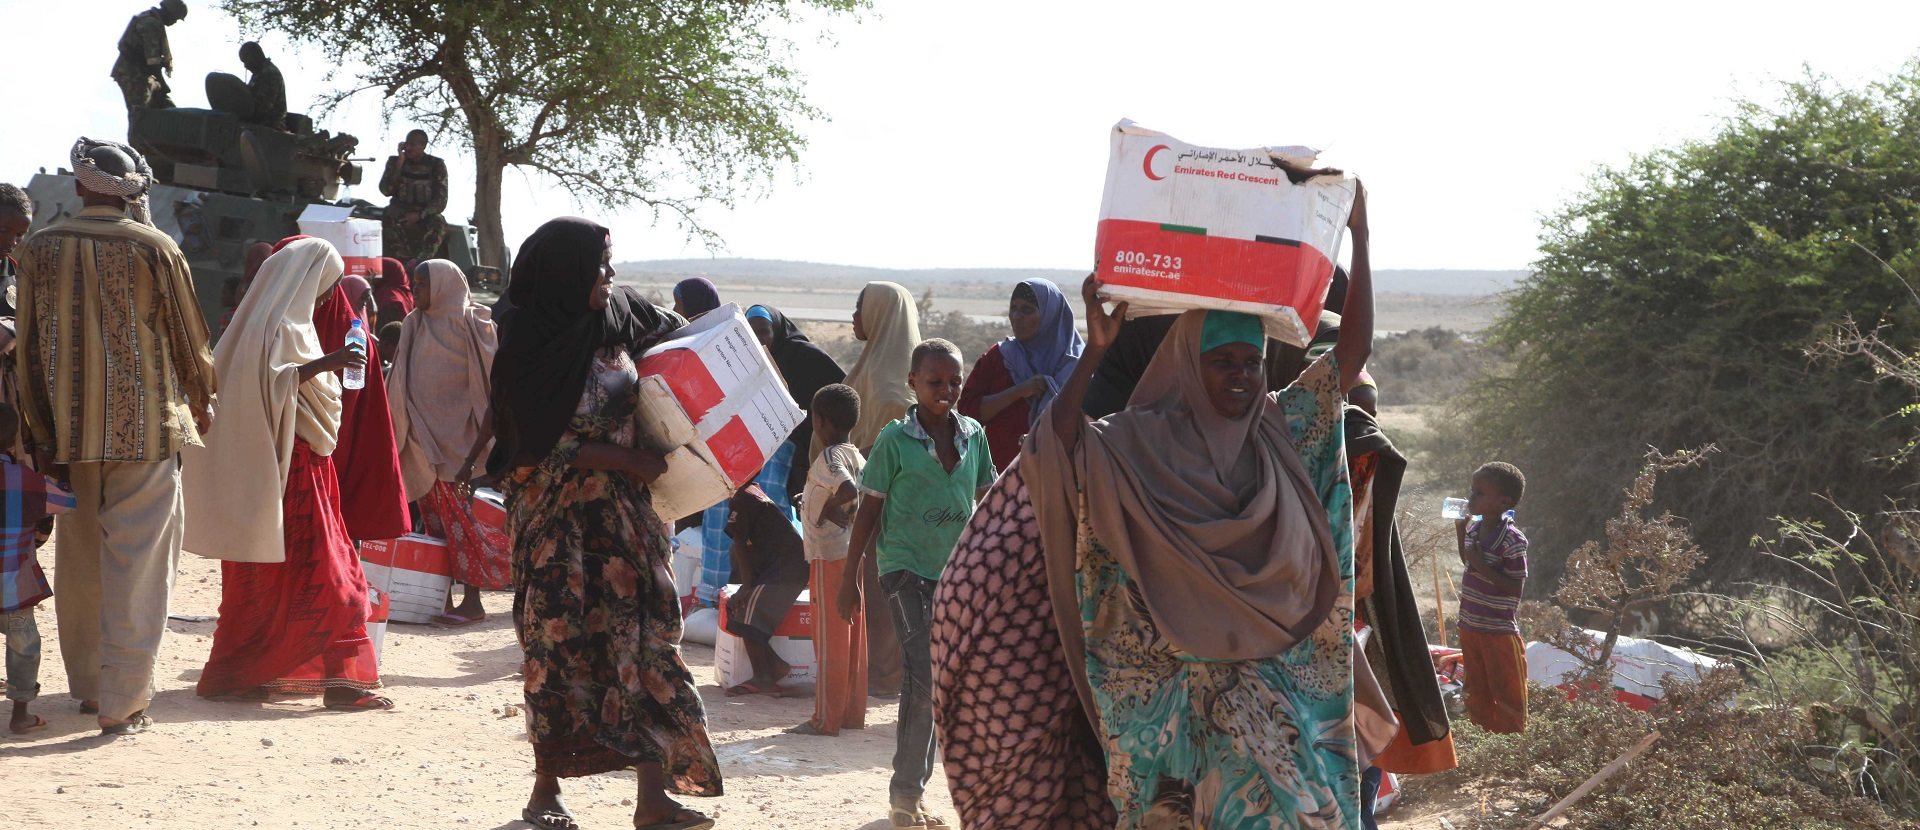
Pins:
<point x="132" y="187"/>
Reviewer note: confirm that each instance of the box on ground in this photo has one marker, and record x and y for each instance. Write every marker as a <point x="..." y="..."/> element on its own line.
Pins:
<point x="1183" y="227"/>
<point x="414" y="571"/>
<point x="357" y="240"/>
<point x="490" y="508"/>
<point x="379" y="606"/>
<point x="711" y="399"/>
<point x="792" y="640"/>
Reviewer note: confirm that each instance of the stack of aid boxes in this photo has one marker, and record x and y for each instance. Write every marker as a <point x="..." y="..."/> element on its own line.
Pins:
<point x="712" y="402"/>
<point x="793" y="641"/>
<point x="414" y="572"/>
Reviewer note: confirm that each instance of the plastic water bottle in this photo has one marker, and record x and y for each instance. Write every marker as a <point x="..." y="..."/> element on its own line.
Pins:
<point x="1453" y="508"/>
<point x="355" y="377"/>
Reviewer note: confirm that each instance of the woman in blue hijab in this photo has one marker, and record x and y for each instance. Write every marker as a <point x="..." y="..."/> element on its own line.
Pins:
<point x="1015" y="380"/>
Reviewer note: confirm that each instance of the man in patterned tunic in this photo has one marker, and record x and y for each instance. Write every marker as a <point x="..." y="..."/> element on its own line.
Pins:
<point x="417" y="184"/>
<point x="115" y="378"/>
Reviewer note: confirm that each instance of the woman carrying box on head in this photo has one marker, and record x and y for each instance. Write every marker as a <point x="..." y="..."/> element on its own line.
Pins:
<point x="1194" y="555"/>
<point x="594" y="604"/>
<point x="263" y="495"/>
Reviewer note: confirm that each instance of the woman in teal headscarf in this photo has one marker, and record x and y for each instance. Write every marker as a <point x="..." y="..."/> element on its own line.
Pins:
<point x="1197" y="552"/>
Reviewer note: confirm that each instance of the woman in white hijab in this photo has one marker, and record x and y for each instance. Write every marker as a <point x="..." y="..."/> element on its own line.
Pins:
<point x="438" y="390"/>
<point x="262" y="495"/>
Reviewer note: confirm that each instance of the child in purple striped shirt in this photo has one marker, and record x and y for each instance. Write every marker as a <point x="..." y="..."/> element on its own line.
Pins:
<point x="26" y="497"/>
<point x="1495" y="553"/>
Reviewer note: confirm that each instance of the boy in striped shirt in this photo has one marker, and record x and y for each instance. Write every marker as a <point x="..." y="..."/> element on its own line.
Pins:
<point x="26" y="498"/>
<point x="1495" y="553"/>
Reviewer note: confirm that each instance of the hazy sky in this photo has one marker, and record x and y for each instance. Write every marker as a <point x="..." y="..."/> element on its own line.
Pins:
<point x="975" y="134"/>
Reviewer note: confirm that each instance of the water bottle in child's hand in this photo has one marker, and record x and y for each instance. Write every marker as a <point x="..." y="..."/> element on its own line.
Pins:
<point x="1453" y="509"/>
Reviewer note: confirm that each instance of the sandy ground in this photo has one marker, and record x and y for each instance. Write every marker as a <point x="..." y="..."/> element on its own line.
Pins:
<point x="447" y="757"/>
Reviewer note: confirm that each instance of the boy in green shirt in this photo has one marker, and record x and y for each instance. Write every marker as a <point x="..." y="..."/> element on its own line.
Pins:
<point x="920" y="484"/>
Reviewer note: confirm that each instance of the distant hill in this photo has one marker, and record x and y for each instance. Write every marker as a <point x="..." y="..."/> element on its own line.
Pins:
<point x="1386" y="281"/>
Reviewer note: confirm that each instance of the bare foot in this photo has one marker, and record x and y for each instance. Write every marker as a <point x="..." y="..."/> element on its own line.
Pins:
<point x="22" y="722"/>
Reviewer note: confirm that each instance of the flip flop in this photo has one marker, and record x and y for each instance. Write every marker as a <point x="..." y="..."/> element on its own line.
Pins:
<point x="135" y="724"/>
<point x="806" y="729"/>
<point x="746" y="689"/>
<point x="38" y="723"/>
<point x="368" y="702"/>
<point x="549" y="819"/>
<point x="698" y="822"/>
<point x="89" y="708"/>
<point x="453" y="620"/>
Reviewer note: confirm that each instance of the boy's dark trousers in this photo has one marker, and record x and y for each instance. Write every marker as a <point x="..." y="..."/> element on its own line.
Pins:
<point x="910" y="599"/>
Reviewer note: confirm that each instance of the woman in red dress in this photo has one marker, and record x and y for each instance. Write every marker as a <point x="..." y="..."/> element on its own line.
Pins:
<point x="1014" y="381"/>
<point x="293" y="600"/>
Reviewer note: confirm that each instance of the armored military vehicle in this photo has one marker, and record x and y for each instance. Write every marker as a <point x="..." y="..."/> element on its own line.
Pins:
<point x="224" y="184"/>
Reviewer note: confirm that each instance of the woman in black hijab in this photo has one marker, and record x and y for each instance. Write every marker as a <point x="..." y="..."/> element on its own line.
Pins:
<point x="805" y="367"/>
<point x="594" y="608"/>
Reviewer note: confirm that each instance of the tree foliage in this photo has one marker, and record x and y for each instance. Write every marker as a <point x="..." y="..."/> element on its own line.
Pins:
<point x="1674" y="304"/>
<point x="672" y="104"/>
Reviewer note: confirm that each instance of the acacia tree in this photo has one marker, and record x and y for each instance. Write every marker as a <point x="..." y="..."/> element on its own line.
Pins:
<point x="674" y="104"/>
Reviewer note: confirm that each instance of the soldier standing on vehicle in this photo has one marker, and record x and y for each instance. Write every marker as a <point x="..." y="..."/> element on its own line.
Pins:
<point x="146" y="59"/>
<point x="417" y="185"/>
<point x="265" y="86"/>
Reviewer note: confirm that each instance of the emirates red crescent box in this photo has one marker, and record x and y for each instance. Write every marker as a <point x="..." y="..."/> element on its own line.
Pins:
<point x="414" y="572"/>
<point x="712" y="400"/>
<point x="1183" y="226"/>
<point x="792" y="641"/>
<point x="357" y="240"/>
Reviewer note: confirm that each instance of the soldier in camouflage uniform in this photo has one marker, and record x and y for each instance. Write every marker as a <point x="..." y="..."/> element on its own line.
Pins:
<point x="416" y="183"/>
<point x="266" y="86"/>
<point x="145" y="57"/>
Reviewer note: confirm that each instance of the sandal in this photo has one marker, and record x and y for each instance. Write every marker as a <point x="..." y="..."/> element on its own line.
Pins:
<point x="748" y="688"/>
<point x="698" y="821"/>
<point x="89" y="707"/>
<point x="135" y="724"/>
<point x="38" y="723"/>
<point x="558" y="819"/>
<point x="453" y="619"/>
<point x="903" y="817"/>
<point x="368" y="702"/>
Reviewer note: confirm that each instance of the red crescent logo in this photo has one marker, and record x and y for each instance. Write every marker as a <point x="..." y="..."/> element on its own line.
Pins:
<point x="1147" y="165"/>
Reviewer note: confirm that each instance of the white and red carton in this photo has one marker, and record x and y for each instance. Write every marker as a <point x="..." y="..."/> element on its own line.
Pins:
<point x="792" y="640"/>
<point x="413" y="572"/>
<point x="357" y="240"/>
<point x="379" y="607"/>
<point x="711" y="399"/>
<point x="1183" y="226"/>
<point x="490" y="509"/>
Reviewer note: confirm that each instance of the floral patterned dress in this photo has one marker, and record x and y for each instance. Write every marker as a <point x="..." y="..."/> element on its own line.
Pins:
<point x="595" y="609"/>
<point x="1193" y="742"/>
